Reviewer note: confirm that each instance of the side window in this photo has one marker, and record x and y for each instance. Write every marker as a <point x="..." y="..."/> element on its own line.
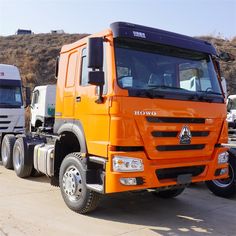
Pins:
<point x="195" y="76"/>
<point x="85" y="69"/>
<point x="190" y="76"/>
<point x="35" y="99"/>
<point x="122" y="71"/>
<point x="71" y="69"/>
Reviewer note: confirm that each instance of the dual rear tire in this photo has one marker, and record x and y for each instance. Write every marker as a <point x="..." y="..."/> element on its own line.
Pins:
<point x="7" y="150"/>
<point x="21" y="161"/>
<point x="72" y="175"/>
<point x="14" y="155"/>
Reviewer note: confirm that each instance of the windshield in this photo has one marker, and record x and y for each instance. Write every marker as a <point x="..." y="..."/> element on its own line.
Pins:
<point x="156" y="70"/>
<point x="10" y="96"/>
<point x="231" y="103"/>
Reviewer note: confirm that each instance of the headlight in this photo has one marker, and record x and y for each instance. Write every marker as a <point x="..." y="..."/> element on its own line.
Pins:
<point x="127" y="164"/>
<point x="223" y="157"/>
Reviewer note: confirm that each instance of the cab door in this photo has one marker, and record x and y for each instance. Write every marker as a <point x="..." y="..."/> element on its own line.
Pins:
<point x="34" y="108"/>
<point x="69" y="90"/>
<point x="93" y="117"/>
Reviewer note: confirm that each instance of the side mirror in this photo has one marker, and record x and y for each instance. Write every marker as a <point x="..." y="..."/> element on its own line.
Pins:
<point x="57" y="67"/>
<point x="226" y="57"/>
<point x="27" y="96"/>
<point x="224" y="86"/>
<point x="95" y="53"/>
<point x="229" y="104"/>
<point x="95" y="62"/>
<point x="96" y="78"/>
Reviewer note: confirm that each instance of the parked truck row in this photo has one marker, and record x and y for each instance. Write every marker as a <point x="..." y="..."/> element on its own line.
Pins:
<point x="135" y="108"/>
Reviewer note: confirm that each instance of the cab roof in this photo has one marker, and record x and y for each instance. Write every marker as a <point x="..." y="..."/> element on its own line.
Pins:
<point x="9" y="72"/>
<point x="129" y="30"/>
<point x="140" y="32"/>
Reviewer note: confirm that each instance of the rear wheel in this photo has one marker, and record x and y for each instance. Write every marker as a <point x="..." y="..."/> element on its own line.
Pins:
<point x="171" y="193"/>
<point x="21" y="163"/>
<point x="73" y="185"/>
<point x="7" y="150"/>
<point x="225" y="187"/>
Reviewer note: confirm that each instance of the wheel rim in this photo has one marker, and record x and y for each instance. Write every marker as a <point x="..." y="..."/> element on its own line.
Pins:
<point x="5" y="151"/>
<point x="17" y="158"/>
<point x="224" y="183"/>
<point x="72" y="183"/>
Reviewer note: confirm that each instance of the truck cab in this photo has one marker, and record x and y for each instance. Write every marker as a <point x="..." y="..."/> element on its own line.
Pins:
<point x="12" y="116"/>
<point x="126" y="99"/>
<point x="136" y="108"/>
<point x="12" y="113"/>
<point x="43" y="107"/>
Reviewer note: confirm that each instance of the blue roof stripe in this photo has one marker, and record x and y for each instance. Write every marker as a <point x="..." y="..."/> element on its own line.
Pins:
<point x="123" y="29"/>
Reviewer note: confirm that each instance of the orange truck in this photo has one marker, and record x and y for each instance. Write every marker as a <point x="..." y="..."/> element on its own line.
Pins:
<point x="137" y="108"/>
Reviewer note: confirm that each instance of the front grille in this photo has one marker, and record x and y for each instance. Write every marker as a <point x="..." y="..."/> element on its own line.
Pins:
<point x="5" y="122"/>
<point x="3" y="128"/>
<point x="128" y="148"/>
<point x="173" y="173"/>
<point x="164" y="148"/>
<point x="155" y="119"/>
<point x="18" y="127"/>
<point x="164" y="133"/>
<point x="175" y="133"/>
<point x="200" y="133"/>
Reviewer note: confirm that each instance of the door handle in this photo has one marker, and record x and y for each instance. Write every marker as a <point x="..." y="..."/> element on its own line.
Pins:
<point x="78" y="99"/>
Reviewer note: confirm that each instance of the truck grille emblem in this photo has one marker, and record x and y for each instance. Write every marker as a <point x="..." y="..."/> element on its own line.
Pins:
<point x="185" y="135"/>
<point x="145" y="113"/>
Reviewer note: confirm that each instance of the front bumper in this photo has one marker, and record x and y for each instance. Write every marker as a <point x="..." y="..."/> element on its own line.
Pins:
<point x="164" y="172"/>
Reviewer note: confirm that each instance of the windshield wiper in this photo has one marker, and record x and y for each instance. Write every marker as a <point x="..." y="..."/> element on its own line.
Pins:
<point x="206" y="92"/>
<point x="146" y="93"/>
<point x="204" y="95"/>
<point x="165" y="87"/>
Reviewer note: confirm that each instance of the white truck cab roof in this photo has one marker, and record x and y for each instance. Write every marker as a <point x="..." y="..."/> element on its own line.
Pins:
<point x="9" y="72"/>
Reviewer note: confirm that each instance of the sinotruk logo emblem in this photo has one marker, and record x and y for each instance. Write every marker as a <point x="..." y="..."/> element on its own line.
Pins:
<point x="185" y="135"/>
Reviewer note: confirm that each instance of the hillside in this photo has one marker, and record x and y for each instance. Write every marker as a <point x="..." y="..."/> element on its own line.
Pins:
<point x="228" y="69"/>
<point x="35" y="56"/>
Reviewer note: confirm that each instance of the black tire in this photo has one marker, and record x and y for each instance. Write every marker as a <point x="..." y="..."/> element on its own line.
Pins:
<point x="22" y="166"/>
<point x="35" y="173"/>
<point x="32" y="129"/>
<point x="225" y="187"/>
<point x="7" y="150"/>
<point x="72" y="181"/>
<point x="171" y="193"/>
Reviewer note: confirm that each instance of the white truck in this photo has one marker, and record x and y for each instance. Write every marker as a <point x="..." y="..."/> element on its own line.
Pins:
<point x="12" y="113"/>
<point x="43" y="107"/>
<point x="231" y="108"/>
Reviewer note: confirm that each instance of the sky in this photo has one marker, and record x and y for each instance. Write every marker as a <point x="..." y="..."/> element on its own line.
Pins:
<point x="189" y="17"/>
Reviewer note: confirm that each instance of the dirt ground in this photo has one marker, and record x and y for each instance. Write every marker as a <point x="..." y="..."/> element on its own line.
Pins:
<point x="33" y="207"/>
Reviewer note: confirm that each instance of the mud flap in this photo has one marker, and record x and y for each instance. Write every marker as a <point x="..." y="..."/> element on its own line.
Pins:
<point x="184" y="179"/>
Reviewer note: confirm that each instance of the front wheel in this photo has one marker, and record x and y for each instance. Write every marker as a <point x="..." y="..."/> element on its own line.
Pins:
<point x="225" y="187"/>
<point x="72" y="180"/>
<point x="171" y="193"/>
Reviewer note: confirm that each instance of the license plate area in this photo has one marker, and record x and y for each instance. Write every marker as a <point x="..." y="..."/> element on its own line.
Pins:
<point x="181" y="174"/>
<point x="184" y="179"/>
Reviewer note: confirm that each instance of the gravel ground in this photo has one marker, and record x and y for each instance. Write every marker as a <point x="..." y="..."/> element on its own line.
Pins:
<point x="33" y="207"/>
